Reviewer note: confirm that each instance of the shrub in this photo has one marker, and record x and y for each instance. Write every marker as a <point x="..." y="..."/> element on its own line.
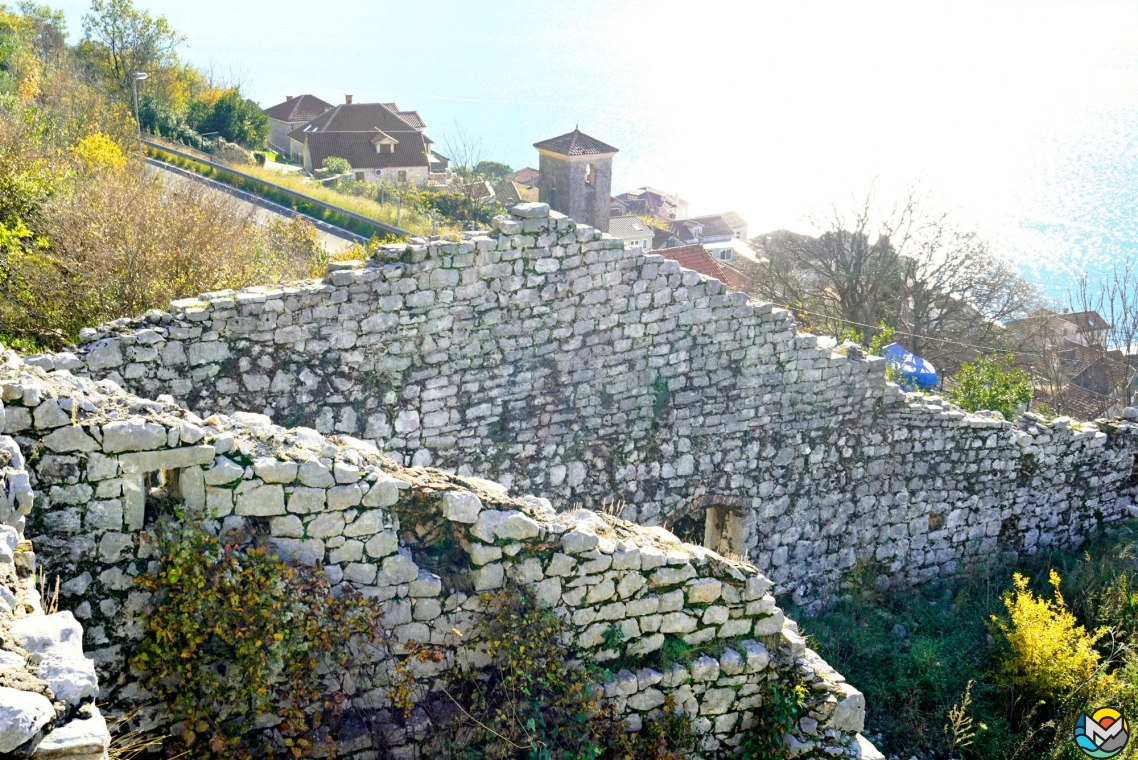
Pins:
<point x="235" y="635"/>
<point x="97" y="152"/>
<point x="779" y="714"/>
<point x="336" y="165"/>
<point x="993" y="385"/>
<point x="1049" y="654"/>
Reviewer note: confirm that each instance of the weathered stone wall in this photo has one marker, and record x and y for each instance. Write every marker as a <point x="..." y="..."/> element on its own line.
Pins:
<point x="48" y="685"/>
<point x="544" y="356"/>
<point x="102" y="461"/>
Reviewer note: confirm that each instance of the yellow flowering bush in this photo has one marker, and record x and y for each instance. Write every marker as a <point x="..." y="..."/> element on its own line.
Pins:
<point x="1049" y="653"/>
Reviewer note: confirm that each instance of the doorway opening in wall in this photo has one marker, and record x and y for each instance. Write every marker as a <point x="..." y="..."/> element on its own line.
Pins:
<point x="163" y="495"/>
<point x="718" y="527"/>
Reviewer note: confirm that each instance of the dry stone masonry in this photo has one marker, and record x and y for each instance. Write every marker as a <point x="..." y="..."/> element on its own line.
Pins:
<point x="544" y="356"/>
<point x="48" y="685"/>
<point x="100" y="463"/>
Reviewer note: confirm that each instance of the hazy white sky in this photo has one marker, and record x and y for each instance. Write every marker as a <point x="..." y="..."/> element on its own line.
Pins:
<point x="771" y="109"/>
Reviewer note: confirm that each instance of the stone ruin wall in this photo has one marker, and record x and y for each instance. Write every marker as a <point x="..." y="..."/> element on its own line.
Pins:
<point x="546" y="357"/>
<point x="89" y="455"/>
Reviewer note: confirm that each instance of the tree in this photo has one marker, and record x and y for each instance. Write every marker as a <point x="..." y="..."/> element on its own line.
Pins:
<point x="992" y="385"/>
<point x="236" y="119"/>
<point x="130" y="40"/>
<point x="465" y="152"/>
<point x="336" y="165"/>
<point x="938" y="285"/>
<point x="492" y="169"/>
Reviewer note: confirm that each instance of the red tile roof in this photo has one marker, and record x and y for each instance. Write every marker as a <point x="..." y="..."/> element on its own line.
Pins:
<point x="526" y="176"/>
<point x="697" y="259"/>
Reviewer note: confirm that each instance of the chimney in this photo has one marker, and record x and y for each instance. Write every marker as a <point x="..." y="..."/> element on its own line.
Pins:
<point x="348" y="99"/>
<point x="288" y="98"/>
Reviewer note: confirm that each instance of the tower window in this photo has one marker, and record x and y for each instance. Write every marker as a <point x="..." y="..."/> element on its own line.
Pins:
<point x="591" y="175"/>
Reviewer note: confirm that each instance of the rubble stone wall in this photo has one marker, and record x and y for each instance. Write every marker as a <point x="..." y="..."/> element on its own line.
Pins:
<point x="101" y="463"/>
<point x="546" y="357"/>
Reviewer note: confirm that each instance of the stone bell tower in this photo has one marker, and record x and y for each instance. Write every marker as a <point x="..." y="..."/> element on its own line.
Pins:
<point x="576" y="177"/>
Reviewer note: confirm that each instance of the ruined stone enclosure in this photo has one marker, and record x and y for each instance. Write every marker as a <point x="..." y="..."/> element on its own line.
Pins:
<point x="543" y="355"/>
<point x="99" y="463"/>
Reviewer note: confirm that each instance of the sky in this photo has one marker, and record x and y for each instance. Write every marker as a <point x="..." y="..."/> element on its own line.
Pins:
<point x="1021" y="117"/>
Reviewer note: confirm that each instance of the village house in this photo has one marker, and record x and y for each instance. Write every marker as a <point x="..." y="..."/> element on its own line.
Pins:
<point x="698" y="259"/>
<point x="287" y="116"/>
<point x="381" y="143"/>
<point x="724" y="236"/>
<point x="526" y="177"/>
<point x="636" y="234"/>
<point x="647" y="200"/>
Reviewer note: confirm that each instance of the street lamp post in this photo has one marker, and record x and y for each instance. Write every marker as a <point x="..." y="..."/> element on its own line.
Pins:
<point x="134" y="80"/>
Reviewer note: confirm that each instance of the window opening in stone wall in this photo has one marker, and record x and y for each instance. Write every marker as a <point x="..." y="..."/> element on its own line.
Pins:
<point x="591" y="175"/>
<point x="1009" y="530"/>
<point x="1027" y="469"/>
<point x="717" y="527"/>
<point x="936" y="522"/>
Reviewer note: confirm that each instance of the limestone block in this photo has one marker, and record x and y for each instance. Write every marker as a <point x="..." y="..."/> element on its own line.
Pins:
<point x="307" y="552"/>
<point x="366" y="524"/>
<point x="672" y="601"/>
<point x="349" y="551"/>
<point x="223" y="472"/>
<point x="579" y="540"/>
<point x="548" y="591"/>
<point x="627" y="559"/>
<point x="461" y="507"/>
<point x="113" y="545"/>
<point x="41" y="634"/>
<point x="288" y="526"/>
<point x="716" y="701"/>
<point x="134" y="434"/>
<point x="509" y="525"/>
<point x="622" y="684"/>
<point x="345" y="473"/>
<point x="648" y="699"/>
<point x="670" y="576"/>
<point x="715" y="615"/>
<point x="769" y="626"/>
<point x="272" y="470"/>
<point x="315" y="474"/>
<point x="601" y="592"/>
<point x="678" y="622"/>
<point x="325" y="525"/>
<point x="383" y="493"/>
<point x="48" y="415"/>
<point x="489" y="577"/>
<point x="382" y="544"/>
<point x="304" y="501"/>
<point x="397" y="569"/>
<point x="735" y="628"/>
<point x="22" y="715"/>
<point x="71" y="675"/>
<point x="849" y="714"/>
<point x="218" y="501"/>
<point x="426" y="584"/>
<point x="344" y="497"/>
<point x="79" y="739"/>
<point x="169" y="459"/>
<point x="481" y="554"/>
<point x="731" y="663"/>
<point x="191" y="483"/>
<point x="643" y="646"/>
<point x="560" y="565"/>
<point x="261" y="501"/>
<point x="704" y="668"/>
<point x="70" y="438"/>
<point x="360" y="572"/>
<point x="702" y="590"/>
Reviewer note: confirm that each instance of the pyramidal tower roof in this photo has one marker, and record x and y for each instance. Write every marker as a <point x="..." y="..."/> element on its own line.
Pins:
<point x="575" y="143"/>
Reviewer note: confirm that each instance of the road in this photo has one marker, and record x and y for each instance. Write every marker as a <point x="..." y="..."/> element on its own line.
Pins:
<point x="332" y="237"/>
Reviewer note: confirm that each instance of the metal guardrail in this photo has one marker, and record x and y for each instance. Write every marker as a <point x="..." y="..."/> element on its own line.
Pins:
<point x="300" y="197"/>
<point x="264" y="203"/>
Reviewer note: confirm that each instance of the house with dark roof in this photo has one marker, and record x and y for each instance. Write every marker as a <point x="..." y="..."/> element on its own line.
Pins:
<point x="287" y="116"/>
<point x="636" y="234"/>
<point x="656" y="202"/>
<point x="697" y="259"/>
<point x="380" y="144"/>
